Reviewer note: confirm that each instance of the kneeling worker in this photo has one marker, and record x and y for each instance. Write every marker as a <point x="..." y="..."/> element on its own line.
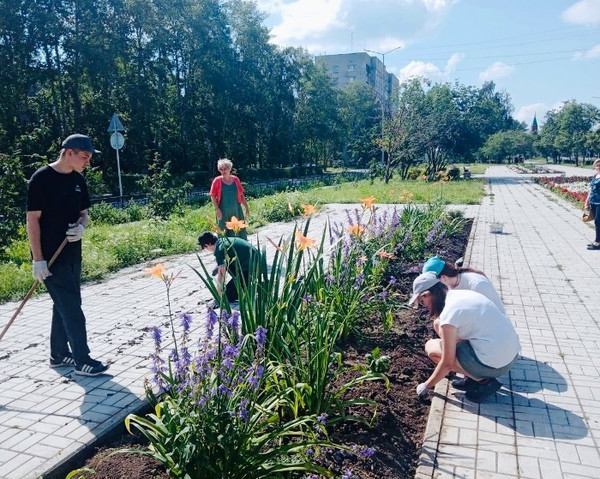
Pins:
<point x="233" y="255"/>
<point x="477" y="339"/>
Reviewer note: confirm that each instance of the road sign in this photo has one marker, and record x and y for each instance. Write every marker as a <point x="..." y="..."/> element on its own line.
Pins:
<point x="115" y="124"/>
<point x="117" y="140"/>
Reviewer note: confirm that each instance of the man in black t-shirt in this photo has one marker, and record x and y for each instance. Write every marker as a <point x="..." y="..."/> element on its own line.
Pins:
<point x="57" y="207"/>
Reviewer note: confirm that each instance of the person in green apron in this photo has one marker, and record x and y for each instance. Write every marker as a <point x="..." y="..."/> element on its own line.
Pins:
<point x="227" y="196"/>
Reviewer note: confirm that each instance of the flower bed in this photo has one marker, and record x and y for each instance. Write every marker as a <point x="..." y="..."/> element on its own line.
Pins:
<point x="269" y="389"/>
<point x="573" y="188"/>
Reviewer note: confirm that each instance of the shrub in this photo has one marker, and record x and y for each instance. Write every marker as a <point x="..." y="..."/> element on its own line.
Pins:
<point x="13" y="188"/>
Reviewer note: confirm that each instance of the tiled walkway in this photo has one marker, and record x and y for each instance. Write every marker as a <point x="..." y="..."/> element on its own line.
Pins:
<point x="544" y="425"/>
<point x="545" y="422"/>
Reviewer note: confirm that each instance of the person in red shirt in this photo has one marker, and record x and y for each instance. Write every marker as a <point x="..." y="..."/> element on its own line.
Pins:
<point x="227" y="195"/>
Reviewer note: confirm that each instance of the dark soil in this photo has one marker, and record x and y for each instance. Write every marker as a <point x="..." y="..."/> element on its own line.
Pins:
<point x="399" y="424"/>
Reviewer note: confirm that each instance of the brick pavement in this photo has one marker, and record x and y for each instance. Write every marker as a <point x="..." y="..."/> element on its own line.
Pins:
<point x="545" y="425"/>
<point x="545" y="422"/>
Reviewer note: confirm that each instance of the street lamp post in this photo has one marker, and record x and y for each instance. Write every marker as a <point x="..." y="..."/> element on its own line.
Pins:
<point x="383" y="54"/>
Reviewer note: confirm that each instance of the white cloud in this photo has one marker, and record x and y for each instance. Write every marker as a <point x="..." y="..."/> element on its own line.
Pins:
<point x="495" y="71"/>
<point x="453" y="62"/>
<point x="341" y="26"/>
<point x="420" y="69"/>
<point x="429" y="70"/>
<point x="527" y="112"/>
<point x="593" y="52"/>
<point x="583" y="12"/>
<point x="305" y="19"/>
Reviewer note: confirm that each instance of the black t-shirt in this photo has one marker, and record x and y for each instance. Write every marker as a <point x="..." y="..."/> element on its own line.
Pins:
<point x="60" y="197"/>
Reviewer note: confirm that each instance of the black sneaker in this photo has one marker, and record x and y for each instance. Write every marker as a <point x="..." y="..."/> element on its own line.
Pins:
<point x="58" y="361"/>
<point x="464" y="384"/>
<point x="483" y="389"/>
<point x="90" y="367"/>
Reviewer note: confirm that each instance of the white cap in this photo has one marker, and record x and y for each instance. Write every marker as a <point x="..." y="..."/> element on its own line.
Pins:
<point x="422" y="283"/>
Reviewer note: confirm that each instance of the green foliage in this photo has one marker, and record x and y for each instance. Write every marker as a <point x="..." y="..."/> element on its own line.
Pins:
<point x="13" y="189"/>
<point x="165" y="197"/>
<point x="95" y="181"/>
<point x="107" y="214"/>
<point x="377" y="362"/>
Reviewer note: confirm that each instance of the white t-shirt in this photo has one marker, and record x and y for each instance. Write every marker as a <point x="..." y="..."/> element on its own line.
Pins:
<point x="481" y="284"/>
<point x="480" y="322"/>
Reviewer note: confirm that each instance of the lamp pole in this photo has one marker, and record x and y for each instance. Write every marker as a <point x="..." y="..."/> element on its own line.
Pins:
<point x="383" y="54"/>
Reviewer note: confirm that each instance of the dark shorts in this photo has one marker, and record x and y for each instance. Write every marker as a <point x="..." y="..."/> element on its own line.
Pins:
<point x="470" y="363"/>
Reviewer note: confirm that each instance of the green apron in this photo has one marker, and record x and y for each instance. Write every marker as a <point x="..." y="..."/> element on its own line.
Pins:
<point x="230" y="207"/>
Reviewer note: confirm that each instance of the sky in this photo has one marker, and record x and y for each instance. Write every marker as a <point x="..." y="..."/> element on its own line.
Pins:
<point x="541" y="52"/>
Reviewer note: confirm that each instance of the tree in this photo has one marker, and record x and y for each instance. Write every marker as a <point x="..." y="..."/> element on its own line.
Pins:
<point x="574" y="121"/>
<point x="13" y="189"/>
<point x="360" y="116"/>
<point x="317" y="117"/>
<point x="507" y="144"/>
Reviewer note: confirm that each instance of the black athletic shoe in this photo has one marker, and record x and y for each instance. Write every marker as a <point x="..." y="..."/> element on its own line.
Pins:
<point x="58" y="361"/>
<point x="90" y="367"/>
<point x="464" y="384"/>
<point x="483" y="389"/>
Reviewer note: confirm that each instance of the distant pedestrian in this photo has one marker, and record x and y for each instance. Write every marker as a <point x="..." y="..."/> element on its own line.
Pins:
<point x="57" y="206"/>
<point x="476" y="339"/>
<point x="455" y="277"/>
<point x="227" y="196"/>
<point x="233" y="255"/>
<point x="593" y="202"/>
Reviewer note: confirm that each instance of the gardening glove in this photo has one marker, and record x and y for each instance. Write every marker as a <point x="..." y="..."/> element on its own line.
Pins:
<point x="75" y="232"/>
<point x="41" y="271"/>
<point x="422" y="391"/>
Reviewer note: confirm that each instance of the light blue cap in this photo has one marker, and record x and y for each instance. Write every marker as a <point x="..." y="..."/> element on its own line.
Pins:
<point x="435" y="264"/>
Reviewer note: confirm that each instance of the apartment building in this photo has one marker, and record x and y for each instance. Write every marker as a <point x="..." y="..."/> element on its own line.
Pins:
<point x="347" y="68"/>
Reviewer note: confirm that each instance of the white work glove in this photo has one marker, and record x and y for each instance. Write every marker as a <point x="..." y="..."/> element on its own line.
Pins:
<point x="41" y="271"/>
<point x="75" y="232"/>
<point x="422" y="391"/>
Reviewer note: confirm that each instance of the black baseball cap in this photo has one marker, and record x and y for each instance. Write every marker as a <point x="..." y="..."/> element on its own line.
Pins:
<point x="79" y="142"/>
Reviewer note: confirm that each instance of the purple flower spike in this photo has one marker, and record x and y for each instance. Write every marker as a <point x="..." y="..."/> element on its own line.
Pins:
<point x="261" y="336"/>
<point x="186" y="321"/>
<point x="157" y="335"/>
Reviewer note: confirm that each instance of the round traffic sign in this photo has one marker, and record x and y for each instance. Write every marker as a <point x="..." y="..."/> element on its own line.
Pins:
<point x="117" y="140"/>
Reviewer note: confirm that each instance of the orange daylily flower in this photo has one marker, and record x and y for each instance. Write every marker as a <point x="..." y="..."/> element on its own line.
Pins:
<point x="236" y="225"/>
<point x="303" y="242"/>
<point x="385" y="254"/>
<point x="157" y="271"/>
<point x="368" y="202"/>
<point x="308" y="209"/>
<point x="356" y="230"/>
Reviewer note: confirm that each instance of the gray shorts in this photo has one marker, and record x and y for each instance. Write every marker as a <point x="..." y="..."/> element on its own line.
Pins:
<point x="470" y="363"/>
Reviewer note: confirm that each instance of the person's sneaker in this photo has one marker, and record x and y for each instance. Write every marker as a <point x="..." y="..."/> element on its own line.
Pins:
<point x="463" y="384"/>
<point x="90" y="367"/>
<point x="483" y="389"/>
<point x="58" y="361"/>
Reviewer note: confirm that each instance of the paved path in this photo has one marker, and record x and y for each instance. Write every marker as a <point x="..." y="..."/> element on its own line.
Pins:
<point x="545" y="422"/>
<point x="545" y="425"/>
